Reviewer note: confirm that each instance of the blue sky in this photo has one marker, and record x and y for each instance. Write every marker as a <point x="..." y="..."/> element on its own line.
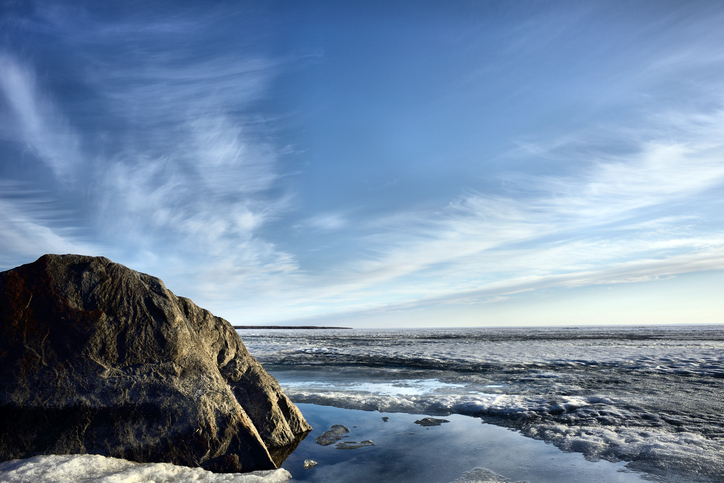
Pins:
<point x="376" y="164"/>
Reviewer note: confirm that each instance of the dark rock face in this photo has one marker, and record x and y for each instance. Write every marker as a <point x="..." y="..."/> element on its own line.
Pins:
<point x="98" y="358"/>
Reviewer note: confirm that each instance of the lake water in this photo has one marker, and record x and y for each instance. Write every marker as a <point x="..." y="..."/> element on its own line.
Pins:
<point x="647" y="398"/>
<point x="405" y="452"/>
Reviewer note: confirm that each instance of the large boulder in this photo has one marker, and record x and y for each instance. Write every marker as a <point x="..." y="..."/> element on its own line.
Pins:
<point x="98" y="358"/>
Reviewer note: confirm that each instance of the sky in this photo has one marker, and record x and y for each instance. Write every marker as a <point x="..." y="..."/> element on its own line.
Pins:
<point x="377" y="163"/>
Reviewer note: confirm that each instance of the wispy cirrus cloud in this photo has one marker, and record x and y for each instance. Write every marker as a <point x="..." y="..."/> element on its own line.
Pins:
<point x="201" y="182"/>
<point x="40" y="137"/>
<point x="36" y="121"/>
<point x="327" y="221"/>
<point x="152" y="135"/>
<point x="176" y="168"/>
<point x="609" y="221"/>
<point x="32" y="224"/>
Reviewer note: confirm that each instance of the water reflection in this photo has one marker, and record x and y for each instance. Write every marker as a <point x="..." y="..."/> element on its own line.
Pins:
<point x="407" y="452"/>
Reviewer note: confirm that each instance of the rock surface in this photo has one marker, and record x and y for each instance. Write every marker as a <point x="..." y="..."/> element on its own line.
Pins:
<point x="354" y="444"/>
<point x="332" y="435"/>
<point x="97" y="358"/>
<point x="431" y="421"/>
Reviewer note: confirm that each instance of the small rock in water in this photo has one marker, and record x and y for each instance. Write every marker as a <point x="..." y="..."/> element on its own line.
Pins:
<point x="354" y="444"/>
<point x="431" y="421"/>
<point x="385" y="419"/>
<point x="336" y="433"/>
<point x="309" y="464"/>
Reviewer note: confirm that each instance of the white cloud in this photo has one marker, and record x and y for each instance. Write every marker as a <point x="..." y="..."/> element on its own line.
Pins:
<point x="185" y="172"/>
<point x="327" y="221"/>
<point x="187" y="180"/>
<point x="610" y="222"/>
<point x="226" y="160"/>
<point x="36" y="121"/>
<point x="28" y="230"/>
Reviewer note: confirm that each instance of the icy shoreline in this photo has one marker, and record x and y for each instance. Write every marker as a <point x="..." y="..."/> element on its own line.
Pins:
<point x="670" y="456"/>
<point x="648" y="396"/>
<point x="460" y="450"/>
<point x="102" y="469"/>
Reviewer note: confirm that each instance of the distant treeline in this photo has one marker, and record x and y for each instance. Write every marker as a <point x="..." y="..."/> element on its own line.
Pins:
<point x="245" y="327"/>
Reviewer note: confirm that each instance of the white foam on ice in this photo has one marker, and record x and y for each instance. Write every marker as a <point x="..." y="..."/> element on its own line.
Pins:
<point x="101" y="469"/>
<point x="653" y="451"/>
<point x="480" y="404"/>
<point x="412" y="387"/>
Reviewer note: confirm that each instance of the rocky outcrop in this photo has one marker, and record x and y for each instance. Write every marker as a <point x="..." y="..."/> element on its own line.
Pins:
<point x="97" y="358"/>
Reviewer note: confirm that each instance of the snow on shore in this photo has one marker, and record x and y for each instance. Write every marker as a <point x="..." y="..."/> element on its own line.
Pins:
<point x="101" y="469"/>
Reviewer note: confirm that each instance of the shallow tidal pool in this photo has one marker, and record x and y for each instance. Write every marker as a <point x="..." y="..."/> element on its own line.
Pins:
<point x="408" y="452"/>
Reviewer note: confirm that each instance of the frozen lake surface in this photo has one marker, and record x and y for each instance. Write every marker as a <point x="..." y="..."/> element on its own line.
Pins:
<point x="649" y="397"/>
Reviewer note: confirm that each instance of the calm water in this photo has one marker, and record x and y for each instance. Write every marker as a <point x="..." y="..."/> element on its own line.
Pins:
<point x="408" y="452"/>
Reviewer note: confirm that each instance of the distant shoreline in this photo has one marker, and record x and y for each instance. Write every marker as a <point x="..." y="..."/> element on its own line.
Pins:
<point x="307" y="327"/>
